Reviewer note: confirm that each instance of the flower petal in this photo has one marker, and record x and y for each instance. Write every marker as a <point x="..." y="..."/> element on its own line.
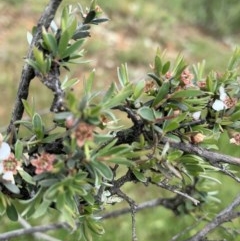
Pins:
<point x="196" y="115"/>
<point x="222" y="93"/>
<point x="8" y="176"/>
<point x="218" y="105"/>
<point x="4" y="151"/>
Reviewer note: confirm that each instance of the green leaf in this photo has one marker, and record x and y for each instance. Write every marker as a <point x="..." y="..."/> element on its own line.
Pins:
<point x="25" y="176"/>
<point x="38" y="126"/>
<point x="123" y="75"/>
<point x="95" y="226"/>
<point x="41" y="209"/>
<point x="12" y="213"/>
<point x="12" y="187"/>
<point x="174" y="155"/>
<point x="87" y="234"/>
<point x="234" y="60"/>
<point x="139" y="175"/>
<point x="147" y="113"/>
<point x="51" y="42"/>
<point x="72" y="49"/>
<point x="89" y="83"/>
<point x="194" y="169"/>
<point x="138" y="90"/>
<point x="115" y="150"/>
<point x="109" y="93"/>
<point x="156" y="78"/>
<point x="211" y="82"/>
<point x="157" y="65"/>
<point x="38" y="55"/>
<point x="68" y="84"/>
<point x="119" y="97"/>
<point x="187" y="93"/>
<point x="64" y="18"/>
<point x="29" y="109"/>
<point x="102" y="169"/>
<point x="162" y="93"/>
<point x="166" y="67"/>
<point x="34" y="65"/>
<point x="179" y="66"/>
<point x="60" y="202"/>
<point x="48" y="182"/>
<point x="18" y="149"/>
<point x="52" y="137"/>
<point x="235" y="116"/>
<point x="63" y="43"/>
<point x="121" y="161"/>
<point x="72" y="26"/>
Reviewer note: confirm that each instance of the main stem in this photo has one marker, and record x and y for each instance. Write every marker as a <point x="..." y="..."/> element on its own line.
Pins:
<point x="27" y="71"/>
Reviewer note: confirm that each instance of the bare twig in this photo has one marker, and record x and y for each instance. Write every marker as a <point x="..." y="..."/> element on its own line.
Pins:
<point x="178" y="235"/>
<point x="133" y="207"/>
<point x="212" y="157"/>
<point x="144" y="205"/>
<point x="37" y="235"/>
<point x="24" y="231"/>
<point x="226" y="215"/>
<point x="171" y="189"/>
<point x="28" y="72"/>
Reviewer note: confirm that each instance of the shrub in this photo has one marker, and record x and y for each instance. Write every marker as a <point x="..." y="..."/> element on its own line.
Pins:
<point x="80" y="161"/>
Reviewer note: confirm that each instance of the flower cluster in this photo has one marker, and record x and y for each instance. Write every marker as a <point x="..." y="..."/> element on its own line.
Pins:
<point x="43" y="163"/>
<point x="186" y="77"/>
<point x="83" y="133"/>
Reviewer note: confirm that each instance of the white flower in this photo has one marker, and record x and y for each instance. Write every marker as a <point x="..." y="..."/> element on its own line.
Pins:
<point x="219" y="104"/>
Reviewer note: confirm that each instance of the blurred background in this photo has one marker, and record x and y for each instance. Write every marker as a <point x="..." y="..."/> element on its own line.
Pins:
<point x="197" y="29"/>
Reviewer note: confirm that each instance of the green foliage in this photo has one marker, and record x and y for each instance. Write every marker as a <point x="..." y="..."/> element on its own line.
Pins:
<point x="72" y="164"/>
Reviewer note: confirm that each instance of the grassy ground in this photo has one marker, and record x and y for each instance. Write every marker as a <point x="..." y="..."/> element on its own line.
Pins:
<point x="136" y="28"/>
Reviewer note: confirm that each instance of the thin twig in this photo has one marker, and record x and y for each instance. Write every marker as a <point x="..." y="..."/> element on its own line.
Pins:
<point x="225" y="215"/>
<point x="178" y="235"/>
<point x="28" y="72"/>
<point x="24" y="231"/>
<point x="37" y="235"/>
<point x="133" y="208"/>
<point x="171" y="189"/>
<point x="144" y="205"/>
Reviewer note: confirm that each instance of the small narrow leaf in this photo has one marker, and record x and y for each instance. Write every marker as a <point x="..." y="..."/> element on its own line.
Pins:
<point x="26" y="177"/>
<point x="12" y="213"/>
<point x="69" y="83"/>
<point x="18" y="149"/>
<point x="29" y="110"/>
<point x="166" y="67"/>
<point x="38" y="126"/>
<point x="162" y="93"/>
<point x="187" y="93"/>
<point x="63" y="43"/>
<point x="123" y="75"/>
<point x="139" y="175"/>
<point x="72" y="49"/>
<point x="103" y="169"/>
<point x="89" y="83"/>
